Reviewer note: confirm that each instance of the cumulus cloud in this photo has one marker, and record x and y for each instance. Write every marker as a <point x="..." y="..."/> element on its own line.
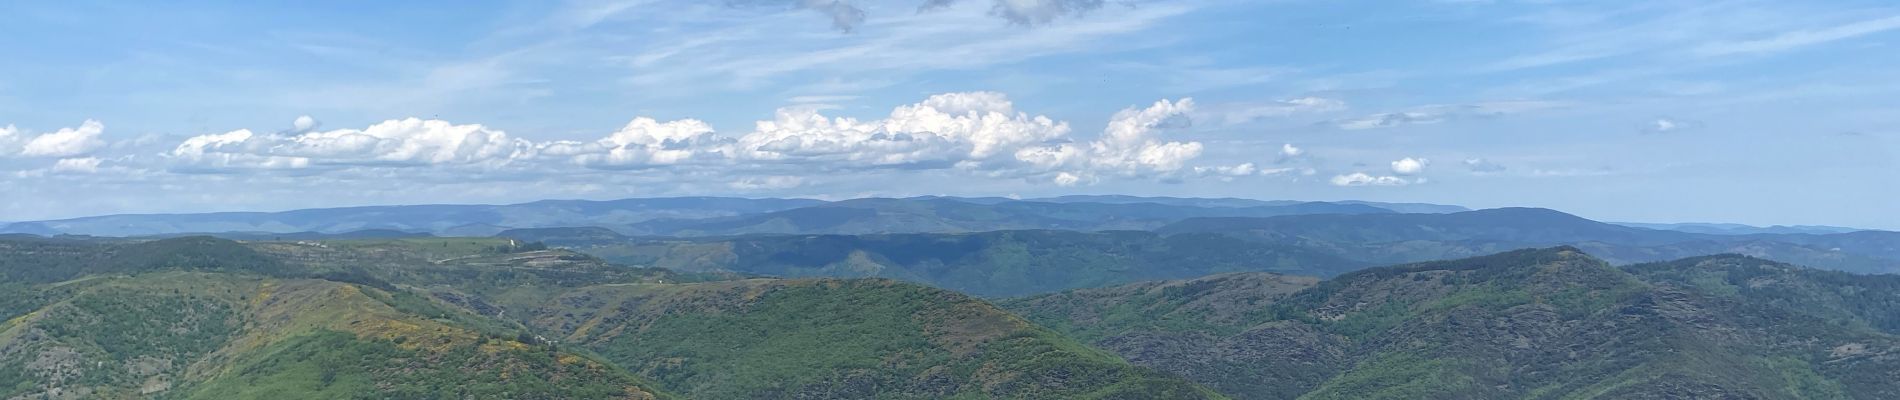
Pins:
<point x="1289" y="150"/>
<point x="1027" y="12"/>
<point x="65" y="142"/>
<point x="77" y="165"/>
<point x="1130" y="146"/>
<point x="976" y="131"/>
<point x="1363" y="179"/>
<point x="233" y="149"/>
<point x="973" y="129"/>
<point x="304" y="123"/>
<point x="644" y="142"/>
<point x="981" y="133"/>
<point x="404" y="142"/>
<point x="1409" y="166"/>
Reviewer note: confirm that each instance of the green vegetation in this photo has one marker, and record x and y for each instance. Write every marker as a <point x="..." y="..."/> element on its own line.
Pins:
<point x="499" y="318"/>
<point x="220" y="335"/>
<point x="852" y="339"/>
<point x="494" y="318"/>
<point x="1003" y="263"/>
<point x="1542" y="324"/>
<point x="333" y="365"/>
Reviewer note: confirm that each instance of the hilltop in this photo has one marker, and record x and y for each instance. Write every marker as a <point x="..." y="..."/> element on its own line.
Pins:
<point x="201" y="317"/>
<point x="1545" y="323"/>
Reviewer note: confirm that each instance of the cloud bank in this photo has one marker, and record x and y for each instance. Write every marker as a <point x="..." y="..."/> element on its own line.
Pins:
<point x="977" y="133"/>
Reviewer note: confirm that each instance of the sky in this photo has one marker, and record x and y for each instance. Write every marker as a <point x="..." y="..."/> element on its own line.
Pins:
<point x="1758" y="112"/>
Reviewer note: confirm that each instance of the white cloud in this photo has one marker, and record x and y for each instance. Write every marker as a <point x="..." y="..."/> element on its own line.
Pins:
<point x="1663" y="125"/>
<point x="304" y="123"/>
<point x="1362" y="179"/>
<point x="980" y="133"/>
<point x="1409" y="166"/>
<point x="644" y="142"/>
<point x="1130" y="146"/>
<point x="80" y="165"/>
<point x="1240" y="170"/>
<point x="66" y="142"/>
<point x="1289" y="150"/>
<point x="1130" y="142"/>
<point x="1667" y="125"/>
<point x="404" y="142"/>
<point x="767" y="183"/>
<point x="1067" y="179"/>
<point x="971" y="128"/>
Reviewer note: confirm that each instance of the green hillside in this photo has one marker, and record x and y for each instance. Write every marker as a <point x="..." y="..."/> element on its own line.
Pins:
<point x="764" y="338"/>
<point x="1540" y="324"/>
<point x="495" y="318"/>
<point x="194" y="335"/>
<point x="1002" y="263"/>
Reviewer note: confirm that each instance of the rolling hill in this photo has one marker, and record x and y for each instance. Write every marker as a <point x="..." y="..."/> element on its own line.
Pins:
<point x="1000" y="263"/>
<point x="950" y="215"/>
<point x="196" y="335"/>
<point x="701" y="216"/>
<point x="1546" y="323"/>
<point x="200" y="317"/>
<point x="767" y="338"/>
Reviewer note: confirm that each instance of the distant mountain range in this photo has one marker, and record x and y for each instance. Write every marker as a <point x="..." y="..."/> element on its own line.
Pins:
<point x="1740" y="229"/>
<point x="993" y="264"/>
<point x="1002" y="247"/>
<point x="1023" y="262"/>
<point x="715" y="216"/>
<point x="1398" y="238"/>
<point x="442" y="220"/>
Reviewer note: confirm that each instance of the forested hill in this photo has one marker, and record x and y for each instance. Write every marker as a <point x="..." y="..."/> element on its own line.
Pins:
<point x="1545" y="323"/>
<point x="200" y="317"/>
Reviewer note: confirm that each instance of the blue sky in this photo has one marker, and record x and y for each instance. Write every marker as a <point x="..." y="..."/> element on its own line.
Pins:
<point x="1655" y="111"/>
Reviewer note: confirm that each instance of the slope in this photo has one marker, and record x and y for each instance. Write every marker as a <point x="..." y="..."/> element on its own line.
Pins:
<point x="226" y="336"/>
<point x="938" y="215"/>
<point x="1547" y="324"/>
<point x="766" y="338"/>
<point x="1002" y="263"/>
